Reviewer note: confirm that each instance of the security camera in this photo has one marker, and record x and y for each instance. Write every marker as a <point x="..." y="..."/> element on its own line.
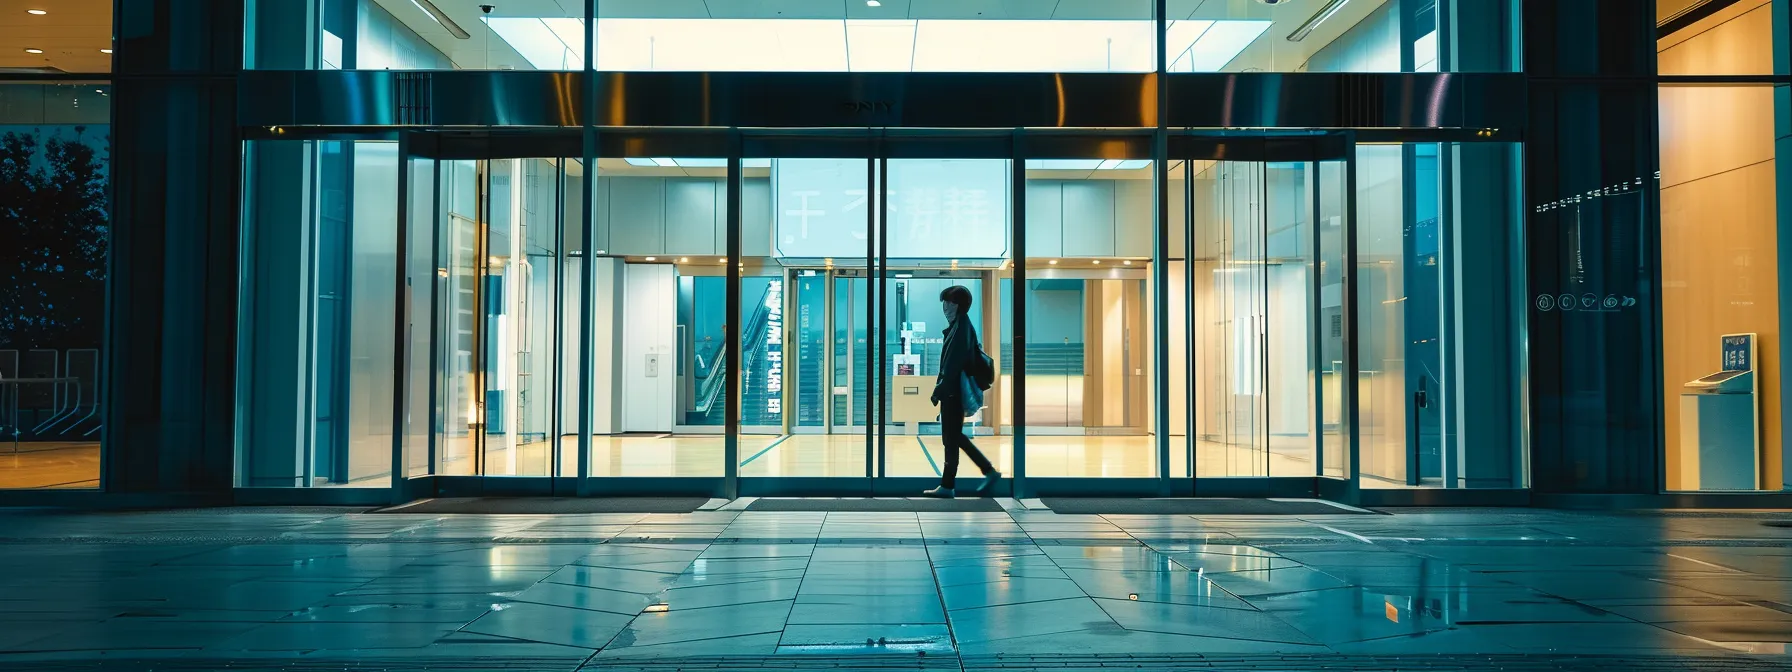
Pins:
<point x="488" y="8"/>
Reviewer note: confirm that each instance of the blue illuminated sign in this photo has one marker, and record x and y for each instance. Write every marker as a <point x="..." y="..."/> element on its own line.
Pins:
<point x="1739" y="352"/>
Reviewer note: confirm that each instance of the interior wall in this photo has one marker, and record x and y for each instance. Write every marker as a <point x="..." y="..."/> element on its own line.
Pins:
<point x="1719" y="226"/>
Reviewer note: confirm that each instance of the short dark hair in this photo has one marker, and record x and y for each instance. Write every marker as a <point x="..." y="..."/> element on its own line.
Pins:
<point x="957" y="294"/>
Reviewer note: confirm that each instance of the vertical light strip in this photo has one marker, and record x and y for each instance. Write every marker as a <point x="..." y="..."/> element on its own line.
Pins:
<point x="510" y="325"/>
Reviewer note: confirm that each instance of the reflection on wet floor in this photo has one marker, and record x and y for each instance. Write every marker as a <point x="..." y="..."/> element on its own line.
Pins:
<point x="572" y="590"/>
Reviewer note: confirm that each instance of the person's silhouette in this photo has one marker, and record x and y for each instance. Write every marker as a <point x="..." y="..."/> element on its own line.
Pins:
<point x="956" y="394"/>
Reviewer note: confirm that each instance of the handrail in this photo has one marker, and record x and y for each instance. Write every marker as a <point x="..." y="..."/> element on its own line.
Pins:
<point x="711" y="386"/>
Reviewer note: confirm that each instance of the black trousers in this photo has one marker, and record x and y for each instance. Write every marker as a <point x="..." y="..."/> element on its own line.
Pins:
<point x="952" y="434"/>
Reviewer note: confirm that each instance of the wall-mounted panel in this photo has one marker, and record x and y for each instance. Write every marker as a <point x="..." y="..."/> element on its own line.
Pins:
<point x="1045" y="218"/>
<point x="691" y="217"/>
<point x="1089" y="218"/>
<point x="637" y="215"/>
<point x="1134" y="218"/>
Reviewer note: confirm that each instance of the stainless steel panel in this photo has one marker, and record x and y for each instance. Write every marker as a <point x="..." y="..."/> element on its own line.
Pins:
<point x="1337" y="100"/>
<point x="882" y="100"/>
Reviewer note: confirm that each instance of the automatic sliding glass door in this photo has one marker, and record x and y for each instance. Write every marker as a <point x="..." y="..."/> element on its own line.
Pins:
<point x="499" y="327"/>
<point x="1264" y="268"/>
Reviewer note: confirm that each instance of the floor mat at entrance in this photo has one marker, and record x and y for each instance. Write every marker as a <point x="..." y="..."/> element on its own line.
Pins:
<point x="551" y="505"/>
<point x="1200" y="506"/>
<point x="895" y="504"/>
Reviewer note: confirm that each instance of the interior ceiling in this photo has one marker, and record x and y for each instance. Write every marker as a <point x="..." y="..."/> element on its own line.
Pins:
<point x="1270" y="52"/>
<point x="71" y="35"/>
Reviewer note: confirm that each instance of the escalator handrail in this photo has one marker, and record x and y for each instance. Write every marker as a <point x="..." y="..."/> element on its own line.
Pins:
<point x="711" y="385"/>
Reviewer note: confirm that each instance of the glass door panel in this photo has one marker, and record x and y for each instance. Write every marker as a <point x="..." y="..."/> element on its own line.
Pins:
<point x="1088" y="294"/>
<point x="659" y="266"/>
<point x="948" y="231"/>
<point x="807" y="241"/>
<point x="497" y="285"/>
<point x="1265" y="334"/>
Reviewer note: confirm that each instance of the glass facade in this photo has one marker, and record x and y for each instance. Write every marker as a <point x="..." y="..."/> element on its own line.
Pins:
<point x="55" y="174"/>
<point x="1357" y="249"/>
<point x="1722" y="222"/>
<point x="56" y="224"/>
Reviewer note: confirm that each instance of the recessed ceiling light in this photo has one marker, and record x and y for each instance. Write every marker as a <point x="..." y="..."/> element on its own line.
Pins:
<point x="1128" y="262"/>
<point x="653" y="259"/>
<point x="1097" y="262"/>
<point x="684" y="260"/>
<point x="873" y="3"/>
<point x="37" y="12"/>
<point x="34" y="51"/>
<point x="105" y="51"/>
<point x="1053" y="262"/>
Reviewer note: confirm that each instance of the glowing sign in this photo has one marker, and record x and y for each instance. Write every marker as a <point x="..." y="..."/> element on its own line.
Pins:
<point x="774" y="348"/>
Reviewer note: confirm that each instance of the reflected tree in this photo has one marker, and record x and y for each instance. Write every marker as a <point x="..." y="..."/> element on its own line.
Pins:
<point x="54" y="229"/>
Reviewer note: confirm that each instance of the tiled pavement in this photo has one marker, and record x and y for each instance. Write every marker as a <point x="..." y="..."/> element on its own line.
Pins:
<point x="1008" y="590"/>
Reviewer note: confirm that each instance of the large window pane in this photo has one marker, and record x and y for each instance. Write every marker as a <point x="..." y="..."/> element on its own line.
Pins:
<point x="807" y="303"/>
<point x="1113" y="36"/>
<point x="659" y="378"/>
<point x="1437" y="323"/>
<point x="1088" y="318"/>
<point x="55" y="163"/>
<point x="413" y="35"/>
<point x="1735" y="39"/>
<point x="316" y="348"/>
<point x="56" y="36"/>
<point x="1720" y="230"/>
<point x="1339" y="36"/>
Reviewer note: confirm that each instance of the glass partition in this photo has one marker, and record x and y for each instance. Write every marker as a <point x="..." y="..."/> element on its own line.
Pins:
<point x="1341" y="36"/>
<point x="413" y="35"/>
<point x="317" y="354"/>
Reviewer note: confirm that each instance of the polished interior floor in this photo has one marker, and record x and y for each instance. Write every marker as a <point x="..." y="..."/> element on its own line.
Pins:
<point x="49" y="464"/>
<point x="1438" y="588"/>
<point x="843" y="455"/>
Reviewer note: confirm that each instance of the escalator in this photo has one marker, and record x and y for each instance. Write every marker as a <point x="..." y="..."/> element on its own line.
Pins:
<point x="709" y="399"/>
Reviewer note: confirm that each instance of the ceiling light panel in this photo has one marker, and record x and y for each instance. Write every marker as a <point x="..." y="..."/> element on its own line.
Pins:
<point x="874" y="45"/>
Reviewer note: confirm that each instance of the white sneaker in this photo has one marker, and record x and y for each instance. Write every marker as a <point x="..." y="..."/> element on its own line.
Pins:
<point x="941" y="492"/>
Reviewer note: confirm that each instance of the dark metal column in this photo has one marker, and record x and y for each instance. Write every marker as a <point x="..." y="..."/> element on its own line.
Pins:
<point x="1347" y="387"/>
<point x="1596" y="389"/>
<point x="587" y="257"/>
<point x="1160" y="260"/>
<point x="170" y="345"/>
<point x="731" y="331"/>
<point x="1017" y="297"/>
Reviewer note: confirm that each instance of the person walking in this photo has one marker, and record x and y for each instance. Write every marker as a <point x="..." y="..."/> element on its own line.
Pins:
<point x="957" y="394"/>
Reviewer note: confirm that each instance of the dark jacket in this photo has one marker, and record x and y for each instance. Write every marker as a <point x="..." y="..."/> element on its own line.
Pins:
<point x="960" y="345"/>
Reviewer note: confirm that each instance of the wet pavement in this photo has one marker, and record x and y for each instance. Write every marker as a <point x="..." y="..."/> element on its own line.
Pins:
<point x="1420" y="588"/>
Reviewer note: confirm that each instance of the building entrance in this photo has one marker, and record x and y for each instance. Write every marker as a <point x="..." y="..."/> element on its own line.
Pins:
<point x="759" y="313"/>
